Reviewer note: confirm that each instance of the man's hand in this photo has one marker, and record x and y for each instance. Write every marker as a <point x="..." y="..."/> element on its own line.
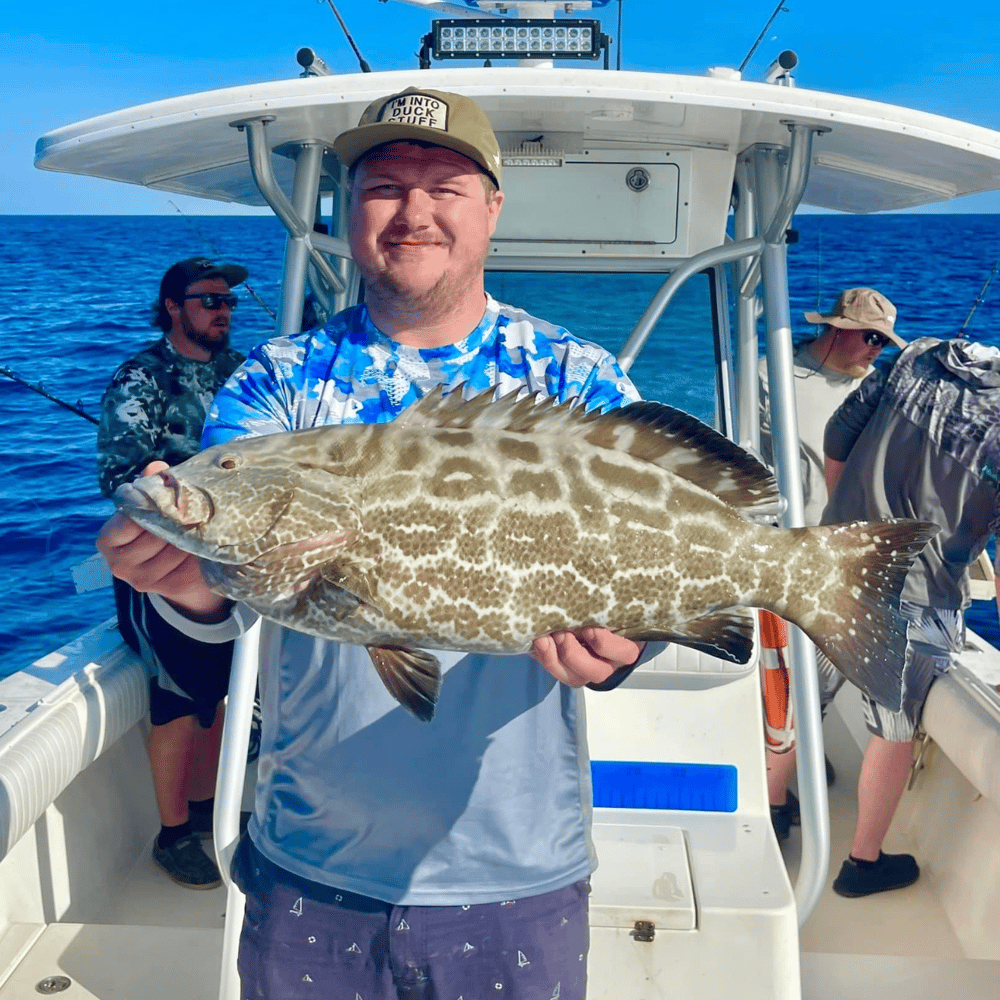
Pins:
<point x="590" y="658"/>
<point x="149" y="564"/>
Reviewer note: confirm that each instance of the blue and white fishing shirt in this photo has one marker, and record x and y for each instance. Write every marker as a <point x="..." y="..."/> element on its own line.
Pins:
<point x="349" y="372"/>
<point x="491" y="799"/>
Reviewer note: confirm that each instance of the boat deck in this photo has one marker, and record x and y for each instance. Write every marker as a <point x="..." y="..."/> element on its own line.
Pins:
<point x="156" y="941"/>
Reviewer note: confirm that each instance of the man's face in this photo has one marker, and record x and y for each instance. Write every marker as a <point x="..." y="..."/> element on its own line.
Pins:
<point x="420" y="225"/>
<point x="852" y="354"/>
<point x="208" y="328"/>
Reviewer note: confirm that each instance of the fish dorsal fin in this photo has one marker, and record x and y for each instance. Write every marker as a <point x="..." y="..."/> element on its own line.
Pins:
<point x="687" y="447"/>
<point x="648" y="431"/>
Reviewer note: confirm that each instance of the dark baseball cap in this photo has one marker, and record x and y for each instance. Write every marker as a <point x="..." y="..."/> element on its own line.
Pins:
<point x="186" y="272"/>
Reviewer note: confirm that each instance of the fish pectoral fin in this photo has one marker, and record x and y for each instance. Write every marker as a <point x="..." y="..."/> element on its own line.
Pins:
<point x="726" y="634"/>
<point x="411" y="676"/>
<point x="357" y="577"/>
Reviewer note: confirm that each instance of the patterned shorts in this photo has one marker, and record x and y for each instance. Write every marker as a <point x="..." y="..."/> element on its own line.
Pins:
<point x="933" y="636"/>
<point x="303" y="941"/>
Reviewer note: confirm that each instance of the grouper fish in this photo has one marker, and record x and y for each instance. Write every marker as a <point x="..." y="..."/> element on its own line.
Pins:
<point x="482" y="524"/>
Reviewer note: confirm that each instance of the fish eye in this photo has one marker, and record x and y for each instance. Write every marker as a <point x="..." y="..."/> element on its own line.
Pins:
<point x="229" y="462"/>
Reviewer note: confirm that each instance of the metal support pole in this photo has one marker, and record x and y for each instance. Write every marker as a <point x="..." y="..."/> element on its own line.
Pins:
<point x="693" y="265"/>
<point x="293" y="286"/>
<point x="229" y="795"/>
<point x="785" y="437"/>
<point x="748" y="394"/>
<point x="294" y="221"/>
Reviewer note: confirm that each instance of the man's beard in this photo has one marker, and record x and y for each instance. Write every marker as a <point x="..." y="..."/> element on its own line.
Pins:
<point x="431" y="303"/>
<point x="435" y="301"/>
<point x="213" y="344"/>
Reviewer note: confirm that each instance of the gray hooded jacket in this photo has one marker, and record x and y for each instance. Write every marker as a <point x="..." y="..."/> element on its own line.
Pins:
<point x="923" y="441"/>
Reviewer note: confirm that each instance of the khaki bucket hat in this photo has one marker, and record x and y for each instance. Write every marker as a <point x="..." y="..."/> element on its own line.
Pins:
<point x="861" y="309"/>
<point x="433" y="116"/>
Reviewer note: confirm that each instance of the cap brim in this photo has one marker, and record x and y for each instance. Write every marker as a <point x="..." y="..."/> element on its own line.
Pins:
<point x="842" y="323"/>
<point x="351" y="145"/>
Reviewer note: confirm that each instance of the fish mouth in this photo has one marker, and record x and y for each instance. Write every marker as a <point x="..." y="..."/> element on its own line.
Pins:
<point x="163" y="495"/>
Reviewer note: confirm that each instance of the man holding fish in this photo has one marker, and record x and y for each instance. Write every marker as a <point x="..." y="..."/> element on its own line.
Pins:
<point x="430" y="481"/>
<point x="449" y="858"/>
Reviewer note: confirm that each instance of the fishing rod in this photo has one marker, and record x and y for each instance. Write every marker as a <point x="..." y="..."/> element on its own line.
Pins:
<point x="211" y="246"/>
<point x="40" y="389"/>
<point x="365" y="68"/>
<point x="763" y="31"/>
<point x="981" y="296"/>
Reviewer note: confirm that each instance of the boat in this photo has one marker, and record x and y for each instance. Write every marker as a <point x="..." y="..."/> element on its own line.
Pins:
<point x="606" y="172"/>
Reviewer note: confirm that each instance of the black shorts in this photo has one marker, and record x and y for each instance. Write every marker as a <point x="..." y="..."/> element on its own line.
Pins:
<point x="189" y="677"/>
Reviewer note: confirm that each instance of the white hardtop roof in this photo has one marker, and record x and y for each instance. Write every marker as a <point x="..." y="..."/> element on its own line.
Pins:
<point x="876" y="157"/>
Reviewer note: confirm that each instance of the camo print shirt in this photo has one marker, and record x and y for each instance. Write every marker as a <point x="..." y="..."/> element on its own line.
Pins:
<point x="350" y="372"/>
<point x="492" y="800"/>
<point x="922" y="440"/>
<point x="154" y="409"/>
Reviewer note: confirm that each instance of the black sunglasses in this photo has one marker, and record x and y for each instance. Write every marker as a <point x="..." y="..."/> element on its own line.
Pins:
<point x="215" y="300"/>
<point x="873" y="339"/>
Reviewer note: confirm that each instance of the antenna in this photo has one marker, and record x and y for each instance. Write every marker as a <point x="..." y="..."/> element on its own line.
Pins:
<point x="365" y="68"/>
<point x="763" y="31"/>
<point x="618" y="57"/>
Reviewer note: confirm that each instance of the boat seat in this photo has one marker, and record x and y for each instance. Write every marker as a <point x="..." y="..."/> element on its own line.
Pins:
<point x="962" y="715"/>
<point x="679" y="887"/>
<point x="685" y="668"/>
<point x="58" y="716"/>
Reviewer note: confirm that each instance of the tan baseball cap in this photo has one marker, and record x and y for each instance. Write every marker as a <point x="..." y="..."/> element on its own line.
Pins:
<point x="448" y="120"/>
<point x="862" y="309"/>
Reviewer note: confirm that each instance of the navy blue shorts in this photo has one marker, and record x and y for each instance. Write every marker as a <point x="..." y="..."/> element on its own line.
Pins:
<point x="189" y="677"/>
<point x="303" y="941"/>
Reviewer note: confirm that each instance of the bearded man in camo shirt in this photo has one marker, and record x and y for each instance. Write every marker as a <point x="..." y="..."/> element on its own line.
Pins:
<point x="154" y="409"/>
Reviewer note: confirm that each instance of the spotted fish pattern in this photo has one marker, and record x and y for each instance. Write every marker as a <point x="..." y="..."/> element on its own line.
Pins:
<point x="482" y="524"/>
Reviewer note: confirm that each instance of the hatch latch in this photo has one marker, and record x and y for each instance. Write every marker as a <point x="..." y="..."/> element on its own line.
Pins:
<point x="645" y="930"/>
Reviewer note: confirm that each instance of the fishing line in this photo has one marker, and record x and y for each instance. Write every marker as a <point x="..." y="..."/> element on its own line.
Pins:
<point x="211" y="246"/>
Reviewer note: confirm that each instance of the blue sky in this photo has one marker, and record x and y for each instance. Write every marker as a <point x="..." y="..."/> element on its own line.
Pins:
<point x="66" y="60"/>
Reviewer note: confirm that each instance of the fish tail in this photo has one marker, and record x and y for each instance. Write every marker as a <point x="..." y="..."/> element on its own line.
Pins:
<point x="854" y="618"/>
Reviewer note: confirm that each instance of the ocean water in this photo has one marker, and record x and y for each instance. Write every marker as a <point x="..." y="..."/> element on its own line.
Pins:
<point x="74" y="303"/>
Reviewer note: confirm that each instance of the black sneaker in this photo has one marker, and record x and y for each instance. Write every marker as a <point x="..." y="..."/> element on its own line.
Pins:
<point x="783" y="816"/>
<point x="891" y="871"/>
<point x="187" y="864"/>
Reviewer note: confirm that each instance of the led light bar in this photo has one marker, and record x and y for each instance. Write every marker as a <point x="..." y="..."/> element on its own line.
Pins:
<point x="526" y="38"/>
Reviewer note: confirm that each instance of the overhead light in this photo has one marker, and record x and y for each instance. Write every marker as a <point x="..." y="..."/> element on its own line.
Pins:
<point x="514" y="160"/>
<point x="527" y="38"/>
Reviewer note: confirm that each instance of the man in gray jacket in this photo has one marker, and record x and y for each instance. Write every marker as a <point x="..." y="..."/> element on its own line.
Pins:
<point x="920" y="441"/>
<point x="828" y="368"/>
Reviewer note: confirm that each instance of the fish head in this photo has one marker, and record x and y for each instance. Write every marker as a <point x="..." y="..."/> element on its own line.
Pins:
<point x="237" y="502"/>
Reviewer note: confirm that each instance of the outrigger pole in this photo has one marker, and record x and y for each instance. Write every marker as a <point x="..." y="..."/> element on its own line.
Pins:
<point x="981" y="296"/>
<point x="48" y="395"/>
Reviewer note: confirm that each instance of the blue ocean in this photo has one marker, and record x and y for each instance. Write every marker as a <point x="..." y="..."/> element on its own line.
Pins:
<point x="75" y="294"/>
